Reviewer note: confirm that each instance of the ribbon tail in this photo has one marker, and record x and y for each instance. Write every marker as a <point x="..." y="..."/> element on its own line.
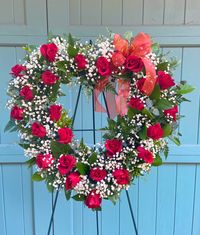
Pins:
<point x="111" y="104"/>
<point x="97" y="105"/>
<point x="150" y="80"/>
<point x="121" y="99"/>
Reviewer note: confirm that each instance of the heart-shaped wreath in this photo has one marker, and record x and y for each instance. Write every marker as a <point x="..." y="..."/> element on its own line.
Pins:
<point x="140" y="90"/>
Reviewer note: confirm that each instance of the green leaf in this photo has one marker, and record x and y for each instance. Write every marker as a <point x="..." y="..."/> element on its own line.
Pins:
<point x="31" y="162"/>
<point x="128" y="35"/>
<point x="157" y="161"/>
<point x="82" y="168"/>
<point x="79" y="197"/>
<point x="114" y="198"/>
<point x="132" y="112"/>
<point x="24" y="146"/>
<point x="61" y="66"/>
<point x="10" y="125"/>
<point x="148" y="113"/>
<point x="92" y="158"/>
<point x="163" y="104"/>
<point x="68" y="194"/>
<point x="166" y="151"/>
<point x="58" y="149"/>
<point x="111" y="124"/>
<point x="72" y="51"/>
<point x="70" y="39"/>
<point x="143" y="133"/>
<point x="162" y="66"/>
<point x="37" y="176"/>
<point x="167" y="130"/>
<point x="155" y="95"/>
<point x="50" y="187"/>
<point x="185" y="89"/>
<point x="175" y="140"/>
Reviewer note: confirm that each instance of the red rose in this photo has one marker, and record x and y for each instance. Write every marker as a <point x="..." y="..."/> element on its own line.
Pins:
<point x="103" y="66"/>
<point x="121" y="176"/>
<point x="113" y="146"/>
<point x="134" y="63"/>
<point x="118" y="59"/>
<point x="72" y="180"/>
<point x="44" y="160"/>
<point x="55" y="112"/>
<point x="139" y="84"/>
<point x="66" y="163"/>
<point x="27" y="93"/>
<point x="17" y="69"/>
<point x="38" y="130"/>
<point x="80" y="61"/>
<point x="155" y="131"/>
<point x="171" y="112"/>
<point x="49" y="51"/>
<point x="165" y="81"/>
<point x="49" y="78"/>
<point x="16" y="113"/>
<point x="136" y="103"/>
<point x="97" y="174"/>
<point x="65" y="135"/>
<point x="93" y="200"/>
<point x="145" y="155"/>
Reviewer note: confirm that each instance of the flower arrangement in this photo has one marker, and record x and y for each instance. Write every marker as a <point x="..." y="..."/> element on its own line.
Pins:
<point x="142" y="99"/>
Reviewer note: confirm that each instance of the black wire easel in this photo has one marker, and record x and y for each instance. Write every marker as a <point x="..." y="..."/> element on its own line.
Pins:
<point x="94" y="142"/>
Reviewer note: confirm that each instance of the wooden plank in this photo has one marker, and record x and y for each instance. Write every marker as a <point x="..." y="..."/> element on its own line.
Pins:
<point x="192" y="12"/>
<point x="174" y="12"/>
<point x="2" y="204"/>
<point x="132" y="12"/>
<point x="6" y="13"/>
<point x="89" y="221"/>
<point x="74" y="12"/>
<point x="19" y="12"/>
<point x="166" y="194"/>
<point x="112" y="12"/>
<point x="153" y="12"/>
<point x="90" y="12"/>
<point x="184" y="199"/>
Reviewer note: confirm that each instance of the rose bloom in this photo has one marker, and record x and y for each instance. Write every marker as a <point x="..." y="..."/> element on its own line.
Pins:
<point x="97" y="174"/>
<point x="139" y="84"/>
<point x="118" y="59"/>
<point x="171" y="112"/>
<point x="17" y="69"/>
<point x="145" y="155"/>
<point x="136" y="103"/>
<point x="55" y="112"/>
<point x="26" y="93"/>
<point x="66" y="163"/>
<point x="113" y="146"/>
<point x="38" y="130"/>
<point x="80" y="61"/>
<point x="93" y="200"/>
<point x="72" y="180"/>
<point x="49" y="51"/>
<point x="165" y="81"/>
<point x="122" y="176"/>
<point x="155" y="131"/>
<point x="44" y="160"/>
<point x="134" y="63"/>
<point x="65" y="135"/>
<point x="16" y="113"/>
<point x="103" y="66"/>
<point x="49" y="78"/>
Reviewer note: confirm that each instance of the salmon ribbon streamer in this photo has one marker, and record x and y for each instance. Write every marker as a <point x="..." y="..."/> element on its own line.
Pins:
<point x="139" y="46"/>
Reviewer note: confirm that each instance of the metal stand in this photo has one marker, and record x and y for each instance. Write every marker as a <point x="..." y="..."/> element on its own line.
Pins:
<point x="94" y="142"/>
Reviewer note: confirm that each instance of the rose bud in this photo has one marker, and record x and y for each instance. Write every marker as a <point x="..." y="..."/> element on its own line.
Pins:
<point x="145" y="155"/>
<point x="17" y="70"/>
<point x="103" y="66"/>
<point x="113" y="146"/>
<point x="136" y="103"/>
<point x="38" y="130"/>
<point x="80" y="61"/>
<point x="165" y="81"/>
<point x="26" y="93"/>
<point x="16" y="113"/>
<point x="171" y="112"/>
<point x="97" y="174"/>
<point x="65" y="135"/>
<point x="55" y="112"/>
<point x="134" y="63"/>
<point x="122" y="176"/>
<point x="44" y="160"/>
<point x="72" y="180"/>
<point x="155" y="131"/>
<point x="49" y="51"/>
<point x="49" y="78"/>
<point x="66" y="163"/>
<point x="93" y="200"/>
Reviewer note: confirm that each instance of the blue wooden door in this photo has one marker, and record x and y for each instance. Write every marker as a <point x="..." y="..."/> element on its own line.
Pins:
<point x="165" y="202"/>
